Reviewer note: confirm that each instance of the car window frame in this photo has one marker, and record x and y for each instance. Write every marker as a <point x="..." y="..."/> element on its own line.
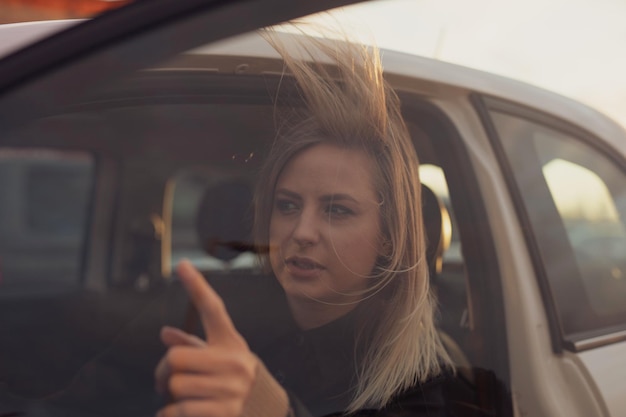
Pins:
<point x="484" y="286"/>
<point x="484" y="104"/>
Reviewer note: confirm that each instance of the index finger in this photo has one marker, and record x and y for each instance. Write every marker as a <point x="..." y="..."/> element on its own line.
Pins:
<point x="215" y="319"/>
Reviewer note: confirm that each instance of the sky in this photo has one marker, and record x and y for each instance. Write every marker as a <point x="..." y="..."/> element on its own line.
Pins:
<point x="573" y="47"/>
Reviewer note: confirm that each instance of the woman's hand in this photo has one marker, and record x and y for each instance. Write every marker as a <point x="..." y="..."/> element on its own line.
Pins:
<point x="205" y="378"/>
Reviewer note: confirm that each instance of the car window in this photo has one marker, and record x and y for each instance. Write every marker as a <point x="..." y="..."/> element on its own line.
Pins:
<point x="159" y="165"/>
<point x="571" y="189"/>
<point x="44" y="207"/>
<point x="179" y="148"/>
<point x="173" y="160"/>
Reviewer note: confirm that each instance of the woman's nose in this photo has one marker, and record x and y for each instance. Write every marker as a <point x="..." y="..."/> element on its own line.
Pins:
<point x="306" y="230"/>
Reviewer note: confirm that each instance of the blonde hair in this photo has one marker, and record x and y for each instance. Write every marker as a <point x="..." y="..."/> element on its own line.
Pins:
<point x="350" y="105"/>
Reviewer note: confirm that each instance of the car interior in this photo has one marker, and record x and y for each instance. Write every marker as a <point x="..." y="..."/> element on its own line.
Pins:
<point x="173" y="158"/>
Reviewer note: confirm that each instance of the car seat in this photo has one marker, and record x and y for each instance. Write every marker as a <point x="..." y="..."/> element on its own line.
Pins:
<point x="438" y="233"/>
<point x="224" y="220"/>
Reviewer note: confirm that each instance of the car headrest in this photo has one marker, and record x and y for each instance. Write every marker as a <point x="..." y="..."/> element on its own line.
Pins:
<point x="224" y="220"/>
<point x="437" y="227"/>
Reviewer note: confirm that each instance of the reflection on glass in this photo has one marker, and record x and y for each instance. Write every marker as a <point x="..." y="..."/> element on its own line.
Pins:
<point x="592" y="223"/>
<point x="566" y="180"/>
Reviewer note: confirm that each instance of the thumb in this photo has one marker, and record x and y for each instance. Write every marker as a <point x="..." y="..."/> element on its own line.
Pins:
<point x="171" y="336"/>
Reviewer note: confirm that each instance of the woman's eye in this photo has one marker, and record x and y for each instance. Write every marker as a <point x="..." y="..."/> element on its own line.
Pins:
<point x="286" y="206"/>
<point x="339" y="210"/>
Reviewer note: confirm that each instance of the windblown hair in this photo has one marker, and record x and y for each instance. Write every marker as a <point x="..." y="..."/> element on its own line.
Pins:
<point x="348" y="104"/>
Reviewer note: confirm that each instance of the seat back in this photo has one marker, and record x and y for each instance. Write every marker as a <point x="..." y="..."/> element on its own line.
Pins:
<point x="437" y="227"/>
<point x="224" y="220"/>
<point x="438" y="230"/>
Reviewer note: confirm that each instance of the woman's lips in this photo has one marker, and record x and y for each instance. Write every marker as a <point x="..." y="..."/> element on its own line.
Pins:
<point x="303" y="267"/>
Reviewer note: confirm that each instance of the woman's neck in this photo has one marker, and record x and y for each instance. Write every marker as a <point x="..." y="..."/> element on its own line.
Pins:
<point x="311" y="314"/>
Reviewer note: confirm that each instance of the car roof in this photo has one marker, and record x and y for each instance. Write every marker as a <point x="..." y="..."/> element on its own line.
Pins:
<point x="403" y="70"/>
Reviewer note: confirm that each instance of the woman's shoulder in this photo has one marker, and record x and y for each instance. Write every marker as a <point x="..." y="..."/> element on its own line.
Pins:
<point x="425" y="399"/>
<point x="422" y="399"/>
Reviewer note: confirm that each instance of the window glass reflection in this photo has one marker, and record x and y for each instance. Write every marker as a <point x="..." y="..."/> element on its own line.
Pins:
<point x="593" y="225"/>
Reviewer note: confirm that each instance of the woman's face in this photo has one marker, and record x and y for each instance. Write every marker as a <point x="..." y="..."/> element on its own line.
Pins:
<point x="325" y="231"/>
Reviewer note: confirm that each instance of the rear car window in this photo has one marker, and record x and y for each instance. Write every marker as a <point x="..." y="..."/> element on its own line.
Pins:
<point x="575" y="197"/>
<point x="44" y="202"/>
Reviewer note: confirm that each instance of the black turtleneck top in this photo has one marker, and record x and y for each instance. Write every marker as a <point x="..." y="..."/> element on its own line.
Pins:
<point x="318" y="368"/>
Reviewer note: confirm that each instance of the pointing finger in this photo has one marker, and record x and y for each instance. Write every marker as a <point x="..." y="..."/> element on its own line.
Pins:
<point x="217" y="324"/>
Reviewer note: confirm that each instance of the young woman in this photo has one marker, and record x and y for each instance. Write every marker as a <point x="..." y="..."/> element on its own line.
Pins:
<point x="338" y="204"/>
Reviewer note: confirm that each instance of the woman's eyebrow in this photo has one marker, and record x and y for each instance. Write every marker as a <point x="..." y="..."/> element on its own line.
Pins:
<point x="338" y="197"/>
<point x="288" y="193"/>
<point x="327" y="198"/>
